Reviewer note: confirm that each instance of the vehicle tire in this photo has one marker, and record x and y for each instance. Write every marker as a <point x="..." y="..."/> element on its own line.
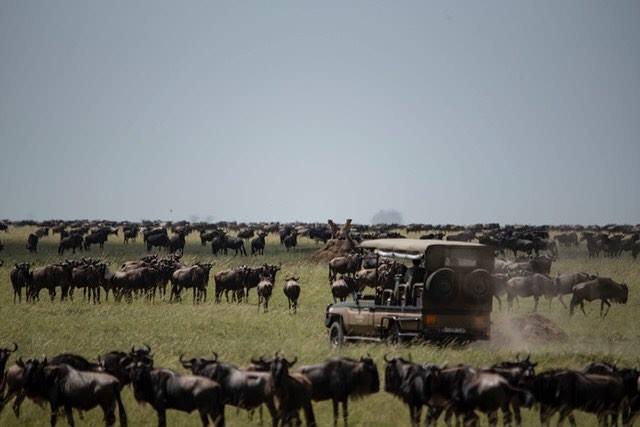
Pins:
<point x="336" y="334"/>
<point x="479" y="285"/>
<point x="441" y="286"/>
<point x="393" y="337"/>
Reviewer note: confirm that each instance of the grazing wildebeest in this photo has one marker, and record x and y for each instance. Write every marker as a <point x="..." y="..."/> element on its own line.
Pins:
<point x="339" y="379"/>
<point x="21" y="277"/>
<point x="291" y="241"/>
<point x="292" y="392"/>
<point x="164" y="389"/>
<point x="535" y="285"/>
<point x="292" y="291"/>
<point x="257" y="244"/>
<point x="65" y="387"/>
<point x="264" y="289"/>
<point x="345" y="265"/>
<point x="241" y="388"/>
<point x="32" y="243"/>
<point x="602" y="288"/>
<point x="72" y="241"/>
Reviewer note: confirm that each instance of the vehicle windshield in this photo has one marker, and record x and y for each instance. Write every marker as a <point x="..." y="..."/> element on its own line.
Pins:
<point x="455" y="257"/>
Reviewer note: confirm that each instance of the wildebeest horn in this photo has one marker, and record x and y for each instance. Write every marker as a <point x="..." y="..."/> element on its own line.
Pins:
<point x="133" y="349"/>
<point x="19" y="362"/>
<point x="386" y="359"/>
<point x="215" y="356"/>
<point x="15" y="348"/>
<point x="517" y="357"/>
<point x="147" y="348"/>
<point x="295" y="359"/>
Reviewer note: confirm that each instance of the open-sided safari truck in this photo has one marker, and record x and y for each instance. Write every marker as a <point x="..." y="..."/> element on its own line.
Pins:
<point x="447" y="297"/>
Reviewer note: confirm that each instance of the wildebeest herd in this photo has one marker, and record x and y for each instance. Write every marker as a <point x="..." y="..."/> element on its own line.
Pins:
<point x="459" y="392"/>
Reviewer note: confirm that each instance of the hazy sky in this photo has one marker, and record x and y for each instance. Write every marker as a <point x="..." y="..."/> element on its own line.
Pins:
<point x="456" y="112"/>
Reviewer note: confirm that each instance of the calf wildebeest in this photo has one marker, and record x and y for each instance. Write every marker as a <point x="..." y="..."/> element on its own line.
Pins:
<point x="32" y="243"/>
<point x="73" y="242"/>
<point x="21" y="277"/>
<point x="240" y="388"/>
<point x="535" y="285"/>
<point x="164" y="389"/>
<point x="339" y="379"/>
<point x="258" y="243"/>
<point x="292" y="291"/>
<point x="292" y="392"/>
<point x="291" y="241"/>
<point x="345" y="265"/>
<point x="602" y="288"/>
<point x="65" y="387"/>
<point x="264" y="289"/>
<point x="342" y="288"/>
<point x="253" y="276"/>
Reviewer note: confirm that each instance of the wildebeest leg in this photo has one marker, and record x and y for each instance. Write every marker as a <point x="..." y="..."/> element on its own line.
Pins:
<point x="162" y="417"/>
<point x="109" y="413"/>
<point x="204" y="418"/>
<point x="493" y="418"/>
<point x="273" y="412"/>
<point x="345" y="412"/>
<point x="54" y="415"/>
<point x="336" y="411"/>
<point x="499" y="302"/>
<point x="308" y="414"/>
<point x="122" y="414"/>
<point x="605" y="301"/>
<point x="572" y="304"/>
<point x="535" y="306"/>
<point x="582" y="308"/>
<point x="562" y="301"/>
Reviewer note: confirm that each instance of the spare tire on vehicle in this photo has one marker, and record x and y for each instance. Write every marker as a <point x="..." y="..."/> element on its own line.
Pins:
<point x="478" y="285"/>
<point x="441" y="286"/>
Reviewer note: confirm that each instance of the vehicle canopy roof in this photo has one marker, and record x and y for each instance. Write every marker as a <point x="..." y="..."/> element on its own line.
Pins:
<point x="413" y="246"/>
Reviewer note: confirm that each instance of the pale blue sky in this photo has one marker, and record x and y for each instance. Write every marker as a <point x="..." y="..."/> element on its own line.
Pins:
<point x="456" y="112"/>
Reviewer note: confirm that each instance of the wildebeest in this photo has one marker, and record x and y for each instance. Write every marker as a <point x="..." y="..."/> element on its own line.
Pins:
<point x="565" y="390"/>
<point x="292" y="291"/>
<point x="96" y="238"/>
<point x="229" y="280"/>
<point x="291" y="241"/>
<point x="164" y="389"/>
<point x="5" y="352"/>
<point x="237" y="244"/>
<point x="564" y="283"/>
<point x="50" y="277"/>
<point x="535" y="285"/>
<point x="602" y="288"/>
<point x="177" y="242"/>
<point x="32" y="243"/>
<point x="130" y="233"/>
<point x="405" y="380"/>
<point x="292" y="392"/>
<point x="65" y="387"/>
<point x="21" y="277"/>
<point x="567" y="239"/>
<point x="345" y="265"/>
<point x="258" y="243"/>
<point x="342" y="288"/>
<point x="253" y="276"/>
<point x="339" y="379"/>
<point x="499" y="286"/>
<point x="88" y="275"/>
<point x="240" y="388"/>
<point x="159" y="240"/>
<point x="195" y="277"/>
<point x="264" y="289"/>
<point x="72" y="241"/>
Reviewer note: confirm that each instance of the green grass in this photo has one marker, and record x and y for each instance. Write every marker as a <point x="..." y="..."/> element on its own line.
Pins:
<point x="238" y="332"/>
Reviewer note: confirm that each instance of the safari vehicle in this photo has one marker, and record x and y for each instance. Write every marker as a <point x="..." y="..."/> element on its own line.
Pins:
<point x="451" y="301"/>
